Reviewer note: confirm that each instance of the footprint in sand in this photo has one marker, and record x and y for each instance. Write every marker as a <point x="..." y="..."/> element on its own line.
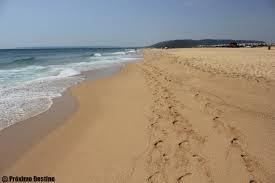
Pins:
<point x="183" y="143"/>
<point x="234" y="140"/>
<point x="150" y="178"/>
<point x="157" y="143"/>
<point x="180" y="179"/>
<point x="154" y="124"/>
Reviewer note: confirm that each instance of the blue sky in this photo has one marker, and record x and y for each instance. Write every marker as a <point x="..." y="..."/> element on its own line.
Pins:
<point x="30" y="23"/>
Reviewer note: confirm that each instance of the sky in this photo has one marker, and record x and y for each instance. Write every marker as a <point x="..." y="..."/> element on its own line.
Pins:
<point x="36" y="23"/>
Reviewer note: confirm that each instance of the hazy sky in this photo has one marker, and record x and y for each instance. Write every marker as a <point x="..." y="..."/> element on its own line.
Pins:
<point x="28" y="23"/>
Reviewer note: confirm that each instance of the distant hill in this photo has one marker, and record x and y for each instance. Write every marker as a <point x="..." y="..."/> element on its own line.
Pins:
<point x="189" y="43"/>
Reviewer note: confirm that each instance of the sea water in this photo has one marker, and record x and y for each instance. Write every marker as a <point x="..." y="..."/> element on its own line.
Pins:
<point x="31" y="78"/>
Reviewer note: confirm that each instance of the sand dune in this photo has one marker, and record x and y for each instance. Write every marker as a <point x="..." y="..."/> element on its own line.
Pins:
<point x="183" y="115"/>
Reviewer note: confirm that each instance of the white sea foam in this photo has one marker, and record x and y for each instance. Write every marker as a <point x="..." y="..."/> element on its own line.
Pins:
<point x="132" y="51"/>
<point x="97" y="55"/>
<point x="31" y="98"/>
<point x="68" y="72"/>
<point x="119" y="53"/>
<point x="28" y="91"/>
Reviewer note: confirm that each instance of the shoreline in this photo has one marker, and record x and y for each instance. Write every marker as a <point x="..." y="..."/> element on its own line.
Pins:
<point x="90" y="123"/>
<point x="18" y="138"/>
<point x="29" y="89"/>
<point x="166" y="119"/>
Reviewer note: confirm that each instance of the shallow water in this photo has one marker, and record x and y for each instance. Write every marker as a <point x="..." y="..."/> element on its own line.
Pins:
<point x="31" y="78"/>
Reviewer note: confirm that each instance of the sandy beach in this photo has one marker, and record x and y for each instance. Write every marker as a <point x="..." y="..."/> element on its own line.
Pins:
<point x="179" y="115"/>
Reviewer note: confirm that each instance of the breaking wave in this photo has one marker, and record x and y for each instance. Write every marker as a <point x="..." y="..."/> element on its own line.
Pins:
<point x="31" y="79"/>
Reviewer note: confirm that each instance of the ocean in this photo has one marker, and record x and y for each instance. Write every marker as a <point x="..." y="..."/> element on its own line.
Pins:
<point x="31" y="78"/>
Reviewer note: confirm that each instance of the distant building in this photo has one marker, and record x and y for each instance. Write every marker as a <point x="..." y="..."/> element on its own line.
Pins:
<point x="236" y="44"/>
<point x="233" y="45"/>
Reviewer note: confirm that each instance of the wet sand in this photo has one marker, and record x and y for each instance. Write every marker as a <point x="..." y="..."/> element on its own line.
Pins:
<point x="17" y="139"/>
<point x="180" y="115"/>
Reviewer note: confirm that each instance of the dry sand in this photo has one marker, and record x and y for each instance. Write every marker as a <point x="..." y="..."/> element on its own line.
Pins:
<point x="181" y="115"/>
